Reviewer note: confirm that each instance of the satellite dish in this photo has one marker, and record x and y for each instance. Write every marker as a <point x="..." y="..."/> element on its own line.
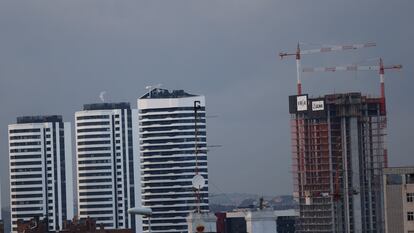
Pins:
<point x="199" y="182"/>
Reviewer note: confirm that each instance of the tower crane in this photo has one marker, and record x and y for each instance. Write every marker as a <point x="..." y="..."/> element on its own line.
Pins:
<point x="380" y="68"/>
<point x="300" y="52"/>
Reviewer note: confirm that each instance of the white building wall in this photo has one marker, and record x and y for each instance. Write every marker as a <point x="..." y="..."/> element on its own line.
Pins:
<point x="103" y="158"/>
<point x="398" y="185"/>
<point x="137" y="169"/>
<point x="261" y="221"/>
<point x="168" y="160"/>
<point x="35" y="174"/>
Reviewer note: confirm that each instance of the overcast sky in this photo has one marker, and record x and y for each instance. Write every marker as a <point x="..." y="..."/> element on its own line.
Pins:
<point x="56" y="56"/>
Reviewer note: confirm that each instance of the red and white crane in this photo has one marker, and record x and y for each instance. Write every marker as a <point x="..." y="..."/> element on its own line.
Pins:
<point x="333" y="48"/>
<point x="380" y="68"/>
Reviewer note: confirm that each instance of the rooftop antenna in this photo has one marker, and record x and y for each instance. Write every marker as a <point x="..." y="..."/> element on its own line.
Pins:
<point x="102" y="96"/>
<point x="152" y="87"/>
<point x="198" y="180"/>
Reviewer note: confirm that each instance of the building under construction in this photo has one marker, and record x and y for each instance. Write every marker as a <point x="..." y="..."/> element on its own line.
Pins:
<point x="338" y="153"/>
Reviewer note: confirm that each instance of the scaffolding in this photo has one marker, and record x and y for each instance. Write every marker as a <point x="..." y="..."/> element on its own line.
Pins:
<point x="337" y="161"/>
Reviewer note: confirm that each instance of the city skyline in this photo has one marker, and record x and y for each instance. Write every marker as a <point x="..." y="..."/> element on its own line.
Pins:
<point x="239" y="73"/>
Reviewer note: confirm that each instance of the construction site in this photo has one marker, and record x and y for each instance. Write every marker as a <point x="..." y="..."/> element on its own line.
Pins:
<point x="338" y="153"/>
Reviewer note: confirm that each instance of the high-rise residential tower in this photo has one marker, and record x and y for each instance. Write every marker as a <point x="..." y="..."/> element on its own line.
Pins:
<point x="168" y="159"/>
<point x="41" y="170"/>
<point x="107" y="166"/>
<point x="338" y="155"/>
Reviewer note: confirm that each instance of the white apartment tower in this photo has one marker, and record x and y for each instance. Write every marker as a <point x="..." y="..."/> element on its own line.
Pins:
<point x="107" y="164"/>
<point x="168" y="161"/>
<point x="40" y="170"/>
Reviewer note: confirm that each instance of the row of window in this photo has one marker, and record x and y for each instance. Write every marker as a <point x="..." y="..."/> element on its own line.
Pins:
<point x="173" y="165"/>
<point x="92" y="117"/>
<point x="203" y="195"/>
<point x="33" y="189"/>
<point x="174" y="146"/>
<point x="25" y="150"/>
<point x="24" y="131"/>
<point x="105" y="180"/>
<point x="95" y="174"/>
<point x="26" y="156"/>
<point x="25" y="163"/>
<point x="94" y="161"/>
<point x="170" y="128"/>
<point x="94" y="142"/>
<point x="88" y="130"/>
<point x="26" y="202"/>
<point x="95" y="155"/>
<point x="93" y="123"/>
<point x="175" y="152"/>
<point x="173" y="171"/>
<point x="25" y="137"/>
<point x="26" y="182"/>
<point x="170" y="122"/>
<point x="25" y="196"/>
<point x="94" y="148"/>
<point x="33" y="169"/>
<point x="173" y="140"/>
<point x="173" y="115"/>
<point x="95" y="168"/>
<point x="174" y="109"/>
<point x="173" y="202"/>
<point x="35" y="143"/>
<point x="92" y="187"/>
<point x="88" y="136"/>
<point x="96" y="199"/>
<point x="174" y="159"/>
<point x="169" y="190"/>
<point x="172" y="134"/>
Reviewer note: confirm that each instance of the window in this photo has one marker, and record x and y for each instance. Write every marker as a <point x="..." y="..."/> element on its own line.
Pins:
<point x="410" y="216"/>
<point x="410" y="197"/>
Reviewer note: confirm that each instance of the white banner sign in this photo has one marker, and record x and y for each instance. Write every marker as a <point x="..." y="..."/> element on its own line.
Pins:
<point x="318" y="105"/>
<point x="302" y="103"/>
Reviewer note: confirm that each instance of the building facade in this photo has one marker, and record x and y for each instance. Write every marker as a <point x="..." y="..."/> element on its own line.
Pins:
<point x="107" y="166"/>
<point x="40" y="170"/>
<point x="168" y="159"/>
<point x="338" y="153"/>
<point x="399" y="199"/>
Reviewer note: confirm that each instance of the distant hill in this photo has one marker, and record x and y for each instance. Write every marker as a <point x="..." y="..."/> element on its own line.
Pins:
<point x="228" y="201"/>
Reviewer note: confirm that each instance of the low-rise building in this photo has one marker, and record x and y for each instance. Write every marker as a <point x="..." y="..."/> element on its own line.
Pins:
<point x="399" y="199"/>
<point x="256" y="221"/>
